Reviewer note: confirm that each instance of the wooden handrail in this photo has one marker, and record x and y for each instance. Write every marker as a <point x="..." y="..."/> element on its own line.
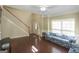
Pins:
<point x="18" y="19"/>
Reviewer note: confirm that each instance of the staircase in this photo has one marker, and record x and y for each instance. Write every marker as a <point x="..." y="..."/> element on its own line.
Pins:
<point x="15" y="21"/>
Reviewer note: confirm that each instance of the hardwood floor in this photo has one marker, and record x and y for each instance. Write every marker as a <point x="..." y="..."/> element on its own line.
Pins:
<point x="34" y="44"/>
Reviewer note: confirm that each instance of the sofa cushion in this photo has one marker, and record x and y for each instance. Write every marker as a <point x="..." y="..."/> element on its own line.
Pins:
<point x="71" y="37"/>
<point x="74" y="49"/>
<point x="72" y="41"/>
<point x="4" y="43"/>
<point x="5" y="46"/>
<point x="63" y="36"/>
<point x="59" y="39"/>
<point x="54" y="34"/>
<point x="59" y="35"/>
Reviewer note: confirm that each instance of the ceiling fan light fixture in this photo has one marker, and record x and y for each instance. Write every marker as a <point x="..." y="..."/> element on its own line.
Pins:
<point x="43" y="8"/>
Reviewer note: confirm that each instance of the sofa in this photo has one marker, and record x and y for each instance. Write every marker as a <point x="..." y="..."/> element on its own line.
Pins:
<point x="60" y="39"/>
<point x="74" y="48"/>
<point x="5" y="45"/>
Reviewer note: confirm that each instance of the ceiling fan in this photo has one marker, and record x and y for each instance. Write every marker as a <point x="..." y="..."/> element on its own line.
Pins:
<point x="45" y="7"/>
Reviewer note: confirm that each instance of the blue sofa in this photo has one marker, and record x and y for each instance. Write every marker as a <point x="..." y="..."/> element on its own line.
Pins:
<point x="60" y="39"/>
<point x="74" y="48"/>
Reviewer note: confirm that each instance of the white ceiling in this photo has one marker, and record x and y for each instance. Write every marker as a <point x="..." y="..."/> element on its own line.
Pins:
<point x="50" y="10"/>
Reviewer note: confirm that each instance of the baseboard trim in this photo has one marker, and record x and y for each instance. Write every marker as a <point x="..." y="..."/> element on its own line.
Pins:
<point x="18" y="36"/>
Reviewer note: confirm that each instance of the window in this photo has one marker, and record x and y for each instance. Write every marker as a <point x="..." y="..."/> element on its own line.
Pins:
<point x="56" y="26"/>
<point x="64" y="26"/>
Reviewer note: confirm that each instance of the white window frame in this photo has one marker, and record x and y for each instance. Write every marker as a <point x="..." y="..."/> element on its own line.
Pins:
<point x="62" y="20"/>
